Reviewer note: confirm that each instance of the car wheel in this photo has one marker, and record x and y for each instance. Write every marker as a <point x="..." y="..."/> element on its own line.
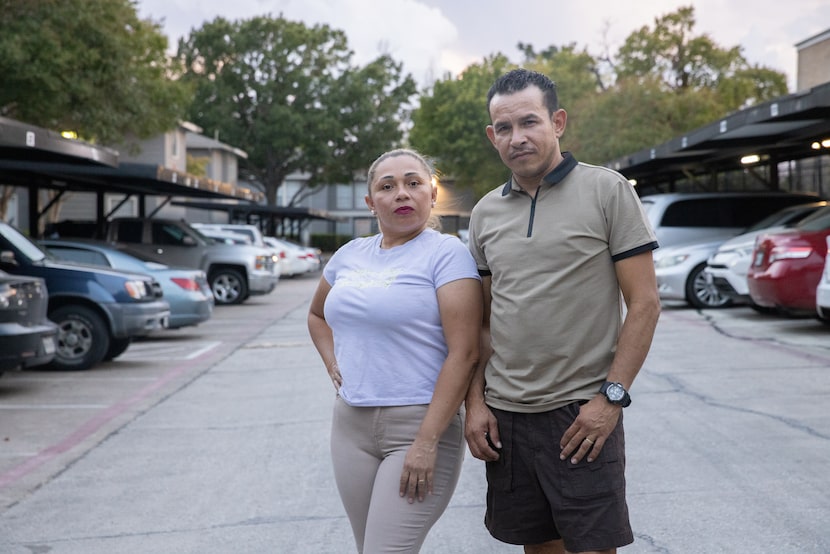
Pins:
<point x="83" y="338"/>
<point x="229" y="286"/>
<point x="701" y="293"/>
<point x="117" y="347"/>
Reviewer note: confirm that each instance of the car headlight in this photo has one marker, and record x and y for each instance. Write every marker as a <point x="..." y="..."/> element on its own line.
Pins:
<point x="136" y="289"/>
<point x="261" y="262"/>
<point x="670" y="260"/>
<point x="10" y="299"/>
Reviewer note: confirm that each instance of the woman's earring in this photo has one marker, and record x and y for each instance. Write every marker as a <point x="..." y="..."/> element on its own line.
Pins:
<point x="433" y="203"/>
<point x="373" y="211"/>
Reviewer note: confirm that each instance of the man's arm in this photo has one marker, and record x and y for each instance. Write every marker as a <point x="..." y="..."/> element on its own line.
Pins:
<point x="480" y="420"/>
<point x="598" y="417"/>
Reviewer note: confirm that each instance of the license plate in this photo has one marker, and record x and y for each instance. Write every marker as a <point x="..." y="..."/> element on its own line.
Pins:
<point x="49" y="345"/>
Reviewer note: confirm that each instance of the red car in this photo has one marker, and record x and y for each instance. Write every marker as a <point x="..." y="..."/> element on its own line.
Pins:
<point x="787" y="266"/>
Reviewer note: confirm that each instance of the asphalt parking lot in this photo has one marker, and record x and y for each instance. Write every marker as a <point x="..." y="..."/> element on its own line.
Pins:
<point x="215" y="439"/>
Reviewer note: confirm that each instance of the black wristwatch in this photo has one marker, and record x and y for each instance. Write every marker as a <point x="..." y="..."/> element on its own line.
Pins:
<point x="615" y="393"/>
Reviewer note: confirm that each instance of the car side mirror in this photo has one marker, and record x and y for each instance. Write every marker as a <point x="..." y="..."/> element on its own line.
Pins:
<point x="7" y="258"/>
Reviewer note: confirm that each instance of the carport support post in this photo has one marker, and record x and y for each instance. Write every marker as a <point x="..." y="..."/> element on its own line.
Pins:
<point x="99" y="206"/>
<point x="34" y="213"/>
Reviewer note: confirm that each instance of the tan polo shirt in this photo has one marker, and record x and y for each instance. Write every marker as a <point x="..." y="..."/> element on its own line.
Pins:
<point x="556" y="307"/>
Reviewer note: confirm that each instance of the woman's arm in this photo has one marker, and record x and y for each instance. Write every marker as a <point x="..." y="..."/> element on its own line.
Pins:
<point x="460" y="306"/>
<point x="321" y="332"/>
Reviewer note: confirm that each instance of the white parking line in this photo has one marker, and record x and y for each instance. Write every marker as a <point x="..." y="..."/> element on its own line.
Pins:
<point x="160" y="351"/>
<point x="52" y="406"/>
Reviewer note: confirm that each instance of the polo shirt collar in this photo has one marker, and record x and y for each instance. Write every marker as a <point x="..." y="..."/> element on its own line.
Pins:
<point x="554" y="177"/>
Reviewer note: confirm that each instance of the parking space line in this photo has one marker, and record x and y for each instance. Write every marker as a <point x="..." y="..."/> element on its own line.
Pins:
<point x="91" y="426"/>
<point x="52" y="406"/>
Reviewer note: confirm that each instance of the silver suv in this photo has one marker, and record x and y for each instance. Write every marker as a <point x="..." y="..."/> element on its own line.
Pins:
<point x="693" y="217"/>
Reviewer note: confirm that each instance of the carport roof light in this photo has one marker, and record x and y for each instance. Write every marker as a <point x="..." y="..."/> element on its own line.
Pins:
<point x="751" y="159"/>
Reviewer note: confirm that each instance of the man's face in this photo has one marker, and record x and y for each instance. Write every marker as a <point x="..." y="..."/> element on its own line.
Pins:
<point x="525" y="134"/>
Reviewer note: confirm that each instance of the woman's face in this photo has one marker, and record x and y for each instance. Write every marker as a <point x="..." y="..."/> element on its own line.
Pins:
<point x="401" y="194"/>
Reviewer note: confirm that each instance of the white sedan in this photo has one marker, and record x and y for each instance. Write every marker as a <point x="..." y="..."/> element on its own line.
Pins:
<point x="728" y="267"/>
<point x="680" y="275"/>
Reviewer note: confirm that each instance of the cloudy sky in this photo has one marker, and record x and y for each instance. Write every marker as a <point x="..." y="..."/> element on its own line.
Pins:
<point x="432" y="37"/>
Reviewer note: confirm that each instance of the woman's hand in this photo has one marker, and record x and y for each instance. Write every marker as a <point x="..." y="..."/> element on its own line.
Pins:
<point x="334" y="375"/>
<point x="418" y="470"/>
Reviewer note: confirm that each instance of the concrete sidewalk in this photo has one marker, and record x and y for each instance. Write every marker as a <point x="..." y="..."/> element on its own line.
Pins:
<point x="727" y="452"/>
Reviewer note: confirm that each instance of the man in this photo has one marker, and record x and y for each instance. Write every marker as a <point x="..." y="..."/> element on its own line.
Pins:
<point x="556" y="247"/>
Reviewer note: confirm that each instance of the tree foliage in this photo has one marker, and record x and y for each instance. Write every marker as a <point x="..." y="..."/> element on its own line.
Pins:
<point x="449" y="126"/>
<point x="683" y="61"/>
<point x="90" y="66"/>
<point x="289" y="95"/>
<point x="663" y="81"/>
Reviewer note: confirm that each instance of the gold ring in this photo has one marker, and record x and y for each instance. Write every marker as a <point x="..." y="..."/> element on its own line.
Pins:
<point x="589" y="440"/>
<point x="422" y="482"/>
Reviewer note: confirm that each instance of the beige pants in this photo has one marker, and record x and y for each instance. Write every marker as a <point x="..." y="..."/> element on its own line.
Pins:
<point x="368" y="446"/>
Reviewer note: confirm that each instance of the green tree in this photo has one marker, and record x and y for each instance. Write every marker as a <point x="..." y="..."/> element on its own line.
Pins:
<point x="663" y="81"/>
<point x="449" y="126"/>
<point x="579" y="82"/>
<point x="89" y="66"/>
<point x="632" y="116"/>
<point x="668" y="81"/>
<point x="290" y="97"/>
<point x="683" y="61"/>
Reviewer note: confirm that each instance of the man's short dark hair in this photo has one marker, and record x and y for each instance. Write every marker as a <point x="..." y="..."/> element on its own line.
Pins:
<point x="518" y="80"/>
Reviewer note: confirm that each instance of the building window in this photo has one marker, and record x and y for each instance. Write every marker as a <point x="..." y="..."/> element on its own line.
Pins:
<point x="117" y="206"/>
<point x="360" y="192"/>
<point x="344" y="200"/>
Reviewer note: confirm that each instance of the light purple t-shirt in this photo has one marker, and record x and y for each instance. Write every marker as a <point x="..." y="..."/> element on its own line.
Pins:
<point x="383" y="311"/>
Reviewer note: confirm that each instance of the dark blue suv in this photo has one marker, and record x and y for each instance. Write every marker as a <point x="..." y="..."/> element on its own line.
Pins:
<point x="98" y="311"/>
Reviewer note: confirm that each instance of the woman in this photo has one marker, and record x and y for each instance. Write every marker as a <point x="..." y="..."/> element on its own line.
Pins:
<point x="396" y="320"/>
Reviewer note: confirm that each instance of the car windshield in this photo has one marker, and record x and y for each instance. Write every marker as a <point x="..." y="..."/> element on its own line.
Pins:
<point x="26" y="246"/>
<point x="787" y="217"/>
<point x="819" y="221"/>
<point x="199" y="234"/>
<point x="137" y="254"/>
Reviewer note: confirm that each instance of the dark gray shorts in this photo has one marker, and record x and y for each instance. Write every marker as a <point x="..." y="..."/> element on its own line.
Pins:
<point x="534" y="497"/>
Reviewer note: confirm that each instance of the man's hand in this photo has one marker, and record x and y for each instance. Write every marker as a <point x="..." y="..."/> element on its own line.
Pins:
<point x="480" y="425"/>
<point x="589" y="431"/>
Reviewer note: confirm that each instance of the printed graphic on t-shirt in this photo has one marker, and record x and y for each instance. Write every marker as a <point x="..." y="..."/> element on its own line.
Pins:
<point x="369" y="279"/>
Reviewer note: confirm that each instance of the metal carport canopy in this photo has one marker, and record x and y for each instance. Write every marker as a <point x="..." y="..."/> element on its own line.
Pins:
<point x="23" y="142"/>
<point x="35" y="158"/>
<point x="244" y="210"/>
<point x="128" y="178"/>
<point x="777" y="130"/>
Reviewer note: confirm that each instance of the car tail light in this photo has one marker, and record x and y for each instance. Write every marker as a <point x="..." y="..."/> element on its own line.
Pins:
<point x="186" y="284"/>
<point x="789" y="253"/>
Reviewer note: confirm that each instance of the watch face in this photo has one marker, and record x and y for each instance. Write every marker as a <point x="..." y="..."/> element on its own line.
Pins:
<point x="615" y="392"/>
